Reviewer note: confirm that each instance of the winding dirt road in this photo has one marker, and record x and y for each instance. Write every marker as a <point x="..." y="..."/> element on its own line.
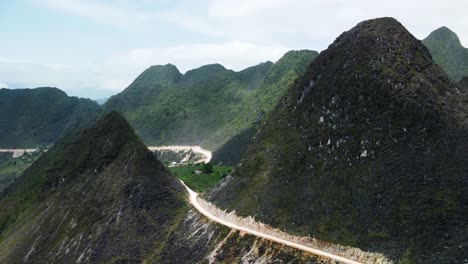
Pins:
<point x="197" y="202"/>
<point x="17" y="152"/>
<point x="197" y="149"/>
<point x="248" y="225"/>
<point x="230" y="220"/>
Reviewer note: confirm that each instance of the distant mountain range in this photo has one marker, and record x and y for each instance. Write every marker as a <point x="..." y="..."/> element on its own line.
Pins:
<point x="206" y="106"/>
<point x="31" y="117"/>
<point x="448" y="52"/>
<point x="367" y="148"/>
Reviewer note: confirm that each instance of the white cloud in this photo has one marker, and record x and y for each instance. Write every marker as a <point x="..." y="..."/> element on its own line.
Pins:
<point x="236" y="34"/>
<point x="3" y="85"/>
<point x="286" y="22"/>
<point x="235" y="55"/>
<point x="318" y="23"/>
<point x="294" y="23"/>
<point x="116" y="73"/>
<point x="99" y="12"/>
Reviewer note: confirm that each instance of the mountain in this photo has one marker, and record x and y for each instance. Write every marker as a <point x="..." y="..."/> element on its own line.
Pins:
<point x="448" y="52"/>
<point x="101" y="101"/>
<point x="367" y="148"/>
<point x="92" y="195"/>
<point x="147" y="86"/>
<point x="12" y="167"/>
<point x="202" y="106"/>
<point x="100" y="196"/>
<point x="255" y="106"/>
<point x="464" y="83"/>
<point x="31" y="117"/>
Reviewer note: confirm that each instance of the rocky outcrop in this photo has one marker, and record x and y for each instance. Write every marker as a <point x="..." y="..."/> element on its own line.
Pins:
<point x="197" y="240"/>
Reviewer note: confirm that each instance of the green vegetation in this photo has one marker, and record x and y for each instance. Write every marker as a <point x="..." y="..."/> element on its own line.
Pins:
<point x="203" y="181"/>
<point x="205" y="106"/>
<point x="448" y="52"/>
<point x="32" y="117"/>
<point x="166" y="107"/>
<point x="256" y="105"/>
<point x="207" y="168"/>
<point x="11" y="168"/>
<point x="101" y="187"/>
<point x="368" y="148"/>
<point x="407" y="257"/>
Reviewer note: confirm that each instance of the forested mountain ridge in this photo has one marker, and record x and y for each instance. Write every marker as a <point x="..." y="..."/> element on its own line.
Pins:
<point x="32" y="117"/>
<point x="205" y="106"/>
<point x="448" y="52"/>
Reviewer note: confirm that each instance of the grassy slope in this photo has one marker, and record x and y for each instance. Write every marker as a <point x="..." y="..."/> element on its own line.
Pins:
<point x="448" y="52"/>
<point x="200" y="183"/>
<point x="11" y="168"/>
<point x="31" y="117"/>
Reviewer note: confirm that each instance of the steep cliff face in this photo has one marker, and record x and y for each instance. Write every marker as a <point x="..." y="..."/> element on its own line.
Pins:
<point x="368" y="148"/>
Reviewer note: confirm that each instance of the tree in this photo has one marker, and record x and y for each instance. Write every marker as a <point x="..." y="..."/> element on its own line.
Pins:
<point x="207" y="167"/>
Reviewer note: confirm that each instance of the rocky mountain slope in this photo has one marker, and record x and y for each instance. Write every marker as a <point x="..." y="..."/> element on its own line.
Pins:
<point x="205" y="106"/>
<point x="100" y="196"/>
<point x="448" y="52"/>
<point x="259" y="103"/>
<point x="464" y="83"/>
<point x="368" y="148"/>
<point x="30" y="117"/>
<point x="89" y="199"/>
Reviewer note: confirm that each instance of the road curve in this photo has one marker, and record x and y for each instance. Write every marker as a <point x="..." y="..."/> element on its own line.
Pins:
<point x="194" y="200"/>
<point x="196" y="149"/>
<point x="17" y="152"/>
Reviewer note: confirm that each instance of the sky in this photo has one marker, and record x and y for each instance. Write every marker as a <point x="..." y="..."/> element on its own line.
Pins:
<point x="96" y="48"/>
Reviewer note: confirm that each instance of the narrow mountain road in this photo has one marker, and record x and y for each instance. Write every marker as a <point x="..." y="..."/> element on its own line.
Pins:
<point x="197" y="149"/>
<point x="17" y="152"/>
<point x="246" y="225"/>
<point x="197" y="202"/>
<point x="250" y="226"/>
